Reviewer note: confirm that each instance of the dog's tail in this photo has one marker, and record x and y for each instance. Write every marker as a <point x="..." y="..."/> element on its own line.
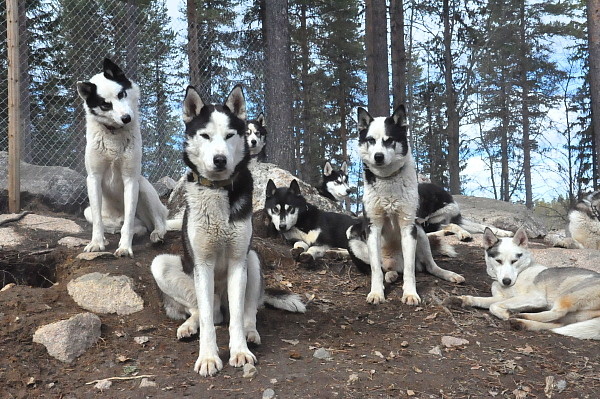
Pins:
<point x="478" y="228"/>
<point x="174" y="224"/>
<point x="441" y="247"/>
<point x="588" y="329"/>
<point x="284" y="300"/>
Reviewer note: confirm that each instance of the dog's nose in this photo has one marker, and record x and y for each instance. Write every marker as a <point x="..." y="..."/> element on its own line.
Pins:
<point x="282" y="227"/>
<point x="506" y="281"/>
<point x="126" y="118"/>
<point x="379" y="158"/>
<point x="220" y="161"/>
<point x="253" y="142"/>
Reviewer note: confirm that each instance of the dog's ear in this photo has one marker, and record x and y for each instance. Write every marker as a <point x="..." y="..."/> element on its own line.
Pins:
<point x="399" y="115"/>
<point x="327" y="169"/>
<point x="364" y="119"/>
<point x="520" y="237"/>
<point x="344" y="167"/>
<point x="260" y="119"/>
<point x="85" y="89"/>
<point x="295" y="188"/>
<point x="271" y="188"/>
<point x="236" y="102"/>
<point x="192" y="104"/>
<point x="112" y="70"/>
<point x="489" y="238"/>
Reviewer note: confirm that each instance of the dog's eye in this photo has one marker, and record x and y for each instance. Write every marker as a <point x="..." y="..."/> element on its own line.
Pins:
<point x="275" y="211"/>
<point x="512" y="262"/>
<point x="122" y="94"/>
<point x="292" y="211"/>
<point x="106" y="106"/>
<point x="230" y="135"/>
<point x="371" y="141"/>
<point x="205" y="136"/>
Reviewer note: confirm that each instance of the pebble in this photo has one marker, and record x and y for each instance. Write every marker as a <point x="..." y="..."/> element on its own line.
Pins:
<point x="268" y="394"/>
<point x="322" y="353"/>
<point x="249" y="371"/>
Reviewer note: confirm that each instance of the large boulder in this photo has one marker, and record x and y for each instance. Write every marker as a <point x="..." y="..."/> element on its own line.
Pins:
<point x="501" y="214"/>
<point x="101" y="293"/>
<point x="261" y="173"/>
<point x="59" y="187"/>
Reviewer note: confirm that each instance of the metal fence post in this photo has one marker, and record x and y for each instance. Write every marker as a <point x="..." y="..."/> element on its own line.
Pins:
<point x="14" y="107"/>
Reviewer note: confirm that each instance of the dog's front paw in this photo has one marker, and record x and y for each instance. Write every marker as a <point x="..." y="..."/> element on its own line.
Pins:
<point x="296" y="252"/>
<point x="96" y="246"/>
<point x="517" y="324"/>
<point x="390" y="277"/>
<point x="376" y="297"/>
<point x="456" y="278"/>
<point x="464" y="236"/>
<point x="157" y="236"/>
<point x="124" y="251"/>
<point x="252" y="336"/>
<point x="208" y="365"/>
<point x="186" y="330"/>
<point x="412" y="299"/>
<point x="453" y="302"/>
<point x="503" y="233"/>
<point x="239" y="358"/>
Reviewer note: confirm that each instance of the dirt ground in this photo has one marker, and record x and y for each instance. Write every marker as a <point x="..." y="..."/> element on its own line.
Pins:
<point x="386" y="351"/>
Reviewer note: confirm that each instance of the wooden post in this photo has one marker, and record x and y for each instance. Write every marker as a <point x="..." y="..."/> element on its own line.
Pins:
<point x="14" y="107"/>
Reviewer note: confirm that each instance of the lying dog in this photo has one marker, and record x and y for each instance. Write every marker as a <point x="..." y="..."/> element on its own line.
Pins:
<point x="584" y="224"/>
<point x="120" y="197"/>
<point x="565" y="300"/>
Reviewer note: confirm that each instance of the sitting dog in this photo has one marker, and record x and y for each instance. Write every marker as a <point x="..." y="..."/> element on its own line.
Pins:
<point x="390" y="201"/>
<point x="334" y="183"/>
<point x="256" y="135"/>
<point x="312" y="230"/>
<point x="565" y="300"/>
<point x="120" y="197"/>
<point x="218" y="268"/>
<point x="584" y="224"/>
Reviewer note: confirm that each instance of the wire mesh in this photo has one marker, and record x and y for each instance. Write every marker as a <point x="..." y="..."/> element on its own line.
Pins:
<point x="65" y="41"/>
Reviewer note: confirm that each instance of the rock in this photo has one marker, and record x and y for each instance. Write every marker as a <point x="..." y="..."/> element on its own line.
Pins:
<point x="9" y="237"/>
<point x="501" y="214"/>
<point x="47" y="223"/>
<point x="146" y="383"/>
<point x="261" y="173"/>
<point x="95" y="255"/>
<point x="68" y="339"/>
<point x="73" y="242"/>
<point x="103" y="385"/>
<point x="268" y="394"/>
<point x="249" y="371"/>
<point x="450" y="342"/>
<point x="322" y="354"/>
<point x="141" y="340"/>
<point x="101" y="293"/>
<point x="164" y="186"/>
<point x="59" y="187"/>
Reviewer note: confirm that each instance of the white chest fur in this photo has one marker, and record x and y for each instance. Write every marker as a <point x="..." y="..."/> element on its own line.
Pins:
<point x="396" y="198"/>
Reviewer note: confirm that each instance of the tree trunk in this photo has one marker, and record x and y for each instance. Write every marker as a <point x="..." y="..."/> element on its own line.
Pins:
<point x="525" y="110"/>
<point x="278" y="101"/>
<point x="451" y="106"/>
<point x="27" y="152"/>
<point x="193" y="45"/>
<point x="398" y="52"/>
<point x="308" y="137"/>
<point x="504" y="179"/>
<point x="593" y="20"/>
<point x="378" y="91"/>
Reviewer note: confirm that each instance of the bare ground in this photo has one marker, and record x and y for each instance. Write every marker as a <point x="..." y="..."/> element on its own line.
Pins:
<point x="390" y="350"/>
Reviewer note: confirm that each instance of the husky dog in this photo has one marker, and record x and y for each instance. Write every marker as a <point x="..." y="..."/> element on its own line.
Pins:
<point x="439" y="215"/>
<point x="256" y="135"/>
<point x="312" y="230"/>
<point x="565" y="300"/>
<point x="334" y="184"/>
<point x="358" y="234"/>
<point x="584" y="224"/>
<point x="118" y="193"/>
<point x="390" y="200"/>
<point x="218" y="268"/>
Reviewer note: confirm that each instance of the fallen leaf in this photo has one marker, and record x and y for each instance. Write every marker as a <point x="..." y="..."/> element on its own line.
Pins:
<point x="527" y="349"/>
<point x="410" y="392"/>
<point x="291" y="341"/>
<point x="295" y="355"/>
<point x="379" y="354"/>
<point x="431" y="316"/>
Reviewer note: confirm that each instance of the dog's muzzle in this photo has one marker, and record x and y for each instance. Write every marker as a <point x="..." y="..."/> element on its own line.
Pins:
<point x="220" y="162"/>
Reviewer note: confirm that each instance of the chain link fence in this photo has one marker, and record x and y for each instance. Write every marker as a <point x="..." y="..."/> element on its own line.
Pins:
<point x="65" y="41"/>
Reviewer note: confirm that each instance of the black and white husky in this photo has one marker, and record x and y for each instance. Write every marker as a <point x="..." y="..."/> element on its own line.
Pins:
<point x="439" y="214"/>
<point x="312" y="230"/>
<point x="390" y="201"/>
<point x="334" y="183"/>
<point x="120" y="197"/>
<point x="218" y="268"/>
<point x="256" y="135"/>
